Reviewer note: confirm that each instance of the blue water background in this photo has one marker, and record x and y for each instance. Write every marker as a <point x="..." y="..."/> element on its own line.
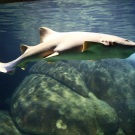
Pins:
<point x="19" y="24"/>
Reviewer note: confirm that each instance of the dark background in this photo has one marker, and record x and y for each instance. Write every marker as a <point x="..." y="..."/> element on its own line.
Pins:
<point x="11" y="1"/>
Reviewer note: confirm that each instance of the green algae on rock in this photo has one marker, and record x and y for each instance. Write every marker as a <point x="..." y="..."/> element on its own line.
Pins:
<point x="51" y="100"/>
<point x="63" y="73"/>
<point x="7" y="126"/>
<point x="112" y="81"/>
<point x="77" y="97"/>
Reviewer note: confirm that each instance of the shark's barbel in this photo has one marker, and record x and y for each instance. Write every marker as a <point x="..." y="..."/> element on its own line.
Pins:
<point x="71" y="46"/>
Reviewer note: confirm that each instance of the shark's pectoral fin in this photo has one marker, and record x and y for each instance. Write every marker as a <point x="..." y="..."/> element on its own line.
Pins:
<point x="88" y="44"/>
<point x="23" y="48"/>
<point x="85" y="46"/>
<point x="53" y="54"/>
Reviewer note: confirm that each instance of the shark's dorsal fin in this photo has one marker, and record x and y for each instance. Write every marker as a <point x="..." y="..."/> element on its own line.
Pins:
<point x="45" y="32"/>
<point x="23" y="48"/>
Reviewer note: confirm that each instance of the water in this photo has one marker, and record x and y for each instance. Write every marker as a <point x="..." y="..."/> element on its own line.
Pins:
<point x="19" y="23"/>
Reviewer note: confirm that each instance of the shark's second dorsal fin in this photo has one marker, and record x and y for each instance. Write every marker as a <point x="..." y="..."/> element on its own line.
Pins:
<point x="23" y="48"/>
<point x="45" y="32"/>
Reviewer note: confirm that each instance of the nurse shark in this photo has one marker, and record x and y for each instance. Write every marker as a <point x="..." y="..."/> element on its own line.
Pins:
<point x="71" y="46"/>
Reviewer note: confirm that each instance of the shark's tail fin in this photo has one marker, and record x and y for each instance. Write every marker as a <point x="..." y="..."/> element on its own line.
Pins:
<point x="7" y="67"/>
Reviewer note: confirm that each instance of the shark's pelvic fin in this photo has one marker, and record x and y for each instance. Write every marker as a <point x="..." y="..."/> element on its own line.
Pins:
<point x="23" y="67"/>
<point x="23" y="48"/>
<point x="54" y="54"/>
<point x="45" y="32"/>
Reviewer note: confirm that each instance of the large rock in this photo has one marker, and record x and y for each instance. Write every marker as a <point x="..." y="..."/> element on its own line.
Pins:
<point x="7" y="126"/>
<point x="113" y="81"/>
<point x="77" y="97"/>
<point x="55" y="99"/>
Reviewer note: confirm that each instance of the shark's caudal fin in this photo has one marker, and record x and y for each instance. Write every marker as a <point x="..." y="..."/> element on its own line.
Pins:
<point x="7" y="67"/>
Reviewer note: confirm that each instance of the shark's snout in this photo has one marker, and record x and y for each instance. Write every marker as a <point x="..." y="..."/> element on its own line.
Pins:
<point x="125" y="42"/>
<point x="128" y="42"/>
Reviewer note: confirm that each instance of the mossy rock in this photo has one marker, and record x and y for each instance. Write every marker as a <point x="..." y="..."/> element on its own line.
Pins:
<point x="7" y="126"/>
<point x="54" y="99"/>
<point x="112" y="81"/>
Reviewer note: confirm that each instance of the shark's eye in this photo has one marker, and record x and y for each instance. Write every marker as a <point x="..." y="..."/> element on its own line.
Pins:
<point x="127" y="40"/>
